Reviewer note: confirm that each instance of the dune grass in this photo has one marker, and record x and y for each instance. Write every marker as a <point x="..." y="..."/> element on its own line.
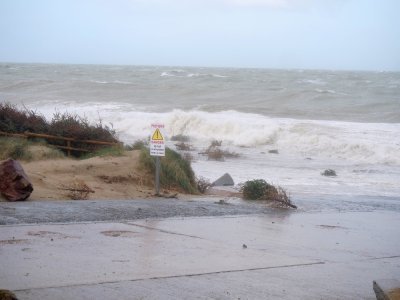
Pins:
<point x="176" y="172"/>
<point x="21" y="149"/>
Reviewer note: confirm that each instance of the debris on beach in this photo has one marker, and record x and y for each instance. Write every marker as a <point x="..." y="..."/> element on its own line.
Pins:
<point x="14" y="183"/>
<point x="78" y="190"/>
<point x="203" y="184"/>
<point x="329" y="173"/>
<point x="259" y="189"/>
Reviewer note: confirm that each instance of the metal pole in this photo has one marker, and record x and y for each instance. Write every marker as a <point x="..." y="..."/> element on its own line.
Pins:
<point x="158" y="175"/>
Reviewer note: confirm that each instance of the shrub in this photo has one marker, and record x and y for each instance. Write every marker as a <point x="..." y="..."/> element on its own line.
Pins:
<point x="259" y="189"/>
<point x="255" y="189"/>
<point x="203" y="184"/>
<point x="176" y="172"/>
<point x="14" y="120"/>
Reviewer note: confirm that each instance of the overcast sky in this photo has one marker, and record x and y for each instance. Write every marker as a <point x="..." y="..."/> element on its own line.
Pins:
<point x="305" y="34"/>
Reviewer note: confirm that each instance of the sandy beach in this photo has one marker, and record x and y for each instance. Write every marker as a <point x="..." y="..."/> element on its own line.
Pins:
<point x="107" y="177"/>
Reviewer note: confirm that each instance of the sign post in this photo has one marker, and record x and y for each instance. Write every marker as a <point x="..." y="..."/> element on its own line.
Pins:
<point x="157" y="149"/>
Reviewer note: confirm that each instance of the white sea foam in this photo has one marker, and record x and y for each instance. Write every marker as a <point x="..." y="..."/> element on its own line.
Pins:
<point x="354" y="142"/>
<point x="182" y="73"/>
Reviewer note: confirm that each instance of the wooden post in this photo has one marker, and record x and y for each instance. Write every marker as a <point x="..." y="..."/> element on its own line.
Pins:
<point x="69" y="146"/>
<point x="158" y="167"/>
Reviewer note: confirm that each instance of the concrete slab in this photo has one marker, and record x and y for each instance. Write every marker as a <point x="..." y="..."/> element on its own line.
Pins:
<point x="39" y="256"/>
<point x="287" y="256"/>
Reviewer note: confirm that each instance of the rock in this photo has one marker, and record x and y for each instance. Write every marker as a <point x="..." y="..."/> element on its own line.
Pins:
<point x="14" y="183"/>
<point x="274" y="151"/>
<point x="329" y="172"/>
<point x="224" y="180"/>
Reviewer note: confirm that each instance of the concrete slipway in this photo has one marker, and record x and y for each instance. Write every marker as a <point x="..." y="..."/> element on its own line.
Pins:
<point x="299" y="255"/>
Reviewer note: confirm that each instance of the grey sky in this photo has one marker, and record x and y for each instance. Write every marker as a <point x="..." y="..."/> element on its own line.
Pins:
<point x="309" y="34"/>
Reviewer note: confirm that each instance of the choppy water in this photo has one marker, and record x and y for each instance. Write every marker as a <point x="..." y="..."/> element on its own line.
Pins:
<point x="346" y="121"/>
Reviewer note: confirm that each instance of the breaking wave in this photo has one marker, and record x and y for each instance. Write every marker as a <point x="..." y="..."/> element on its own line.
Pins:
<point x="358" y="142"/>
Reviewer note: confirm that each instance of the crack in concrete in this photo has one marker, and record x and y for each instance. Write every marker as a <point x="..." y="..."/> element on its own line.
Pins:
<point x="164" y="231"/>
<point x="178" y="276"/>
<point x="384" y="257"/>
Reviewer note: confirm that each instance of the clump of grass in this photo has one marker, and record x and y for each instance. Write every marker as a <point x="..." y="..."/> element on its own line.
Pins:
<point x="14" y="148"/>
<point x="21" y="149"/>
<point x="139" y="144"/>
<point x="176" y="172"/>
<point x="115" y="151"/>
<point x="259" y="189"/>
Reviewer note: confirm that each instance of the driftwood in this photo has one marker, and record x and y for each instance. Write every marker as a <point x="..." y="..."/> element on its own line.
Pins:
<point x="167" y="196"/>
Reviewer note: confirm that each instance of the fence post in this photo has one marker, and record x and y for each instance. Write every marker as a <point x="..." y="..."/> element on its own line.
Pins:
<point x="69" y="146"/>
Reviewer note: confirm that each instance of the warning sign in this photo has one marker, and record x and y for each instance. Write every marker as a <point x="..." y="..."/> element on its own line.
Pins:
<point x="157" y="142"/>
<point x="157" y="136"/>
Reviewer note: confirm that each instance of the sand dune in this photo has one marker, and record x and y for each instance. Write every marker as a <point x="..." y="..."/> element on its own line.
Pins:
<point x="108" y="177"/>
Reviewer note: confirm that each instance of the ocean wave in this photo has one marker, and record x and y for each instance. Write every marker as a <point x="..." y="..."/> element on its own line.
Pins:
<point x="325" y="91"/>
<point x="313" y="81"/>
<point x="350" y="141"/>
<point x="110" y="82"/>
<point x="357" y="142"/>
<point x="183" y="73"/>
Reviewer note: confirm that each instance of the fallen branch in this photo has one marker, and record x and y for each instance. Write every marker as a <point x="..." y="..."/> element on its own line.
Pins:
<point x="89" y="190"/>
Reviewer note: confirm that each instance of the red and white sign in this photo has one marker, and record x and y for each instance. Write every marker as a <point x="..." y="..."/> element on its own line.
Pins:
<point x="157" y="140"/>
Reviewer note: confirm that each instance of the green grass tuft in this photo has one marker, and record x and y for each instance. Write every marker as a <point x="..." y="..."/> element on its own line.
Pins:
<point x="176" y="172"/>
<point x="108" y="151"/>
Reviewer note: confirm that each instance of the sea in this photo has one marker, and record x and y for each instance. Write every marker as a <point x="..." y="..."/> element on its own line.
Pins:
<point x="287" y="126"/>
